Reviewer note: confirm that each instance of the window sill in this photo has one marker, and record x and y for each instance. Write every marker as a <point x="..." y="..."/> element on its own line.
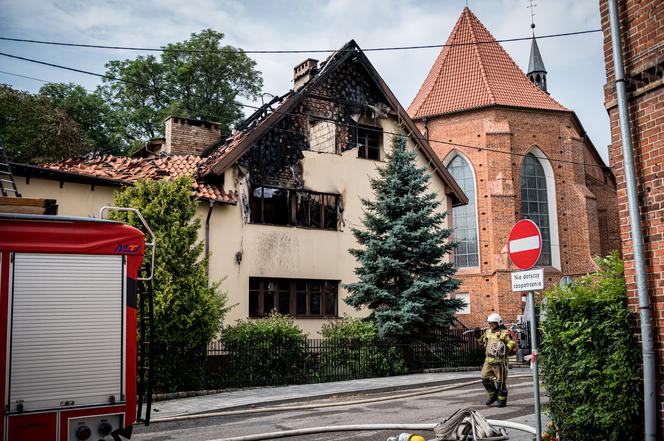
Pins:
<point x="302" y="317"/>
<point x="295" y="226"/>
<point x="467" y="270"/>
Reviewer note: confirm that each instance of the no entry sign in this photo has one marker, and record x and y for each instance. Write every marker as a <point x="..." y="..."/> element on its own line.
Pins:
<point x="524" y="244"/>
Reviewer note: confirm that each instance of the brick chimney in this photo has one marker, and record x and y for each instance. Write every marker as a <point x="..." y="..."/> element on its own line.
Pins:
<point x="186" y="136"/>
<point x="303" y="72"/>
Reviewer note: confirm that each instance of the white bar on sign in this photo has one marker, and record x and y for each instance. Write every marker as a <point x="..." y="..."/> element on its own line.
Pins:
<point x="524" y="244"/>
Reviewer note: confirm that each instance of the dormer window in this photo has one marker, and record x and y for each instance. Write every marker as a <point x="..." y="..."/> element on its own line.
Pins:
<point x="368" y="140"/>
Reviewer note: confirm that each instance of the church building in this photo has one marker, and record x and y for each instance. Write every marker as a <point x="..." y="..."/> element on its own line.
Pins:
<point x="517" y="154"/>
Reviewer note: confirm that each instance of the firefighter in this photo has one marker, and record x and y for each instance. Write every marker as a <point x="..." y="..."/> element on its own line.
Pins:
<point x="499" y="343"/>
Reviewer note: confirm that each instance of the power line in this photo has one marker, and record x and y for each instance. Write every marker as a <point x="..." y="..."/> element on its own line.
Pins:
<point x="24" y="76"/>
<point x="136" y="83"/>
<point x="290" y="51"/>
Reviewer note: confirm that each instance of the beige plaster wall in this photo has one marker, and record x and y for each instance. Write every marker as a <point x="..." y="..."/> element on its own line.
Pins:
<point x="290" y="252"/>
<point x="72" y="199"/>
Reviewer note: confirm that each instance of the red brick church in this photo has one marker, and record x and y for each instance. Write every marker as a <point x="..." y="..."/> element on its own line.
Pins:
<point x="517" y="153"/>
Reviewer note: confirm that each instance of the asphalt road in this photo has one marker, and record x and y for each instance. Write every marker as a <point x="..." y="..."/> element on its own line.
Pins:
<point x="425" y="409"/>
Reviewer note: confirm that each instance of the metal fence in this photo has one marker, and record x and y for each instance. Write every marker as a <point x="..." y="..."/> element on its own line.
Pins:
<point x="179" y="368"/>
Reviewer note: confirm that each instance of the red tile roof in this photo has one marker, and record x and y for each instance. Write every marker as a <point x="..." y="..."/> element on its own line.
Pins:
<point x="130" y="170"/>
<point x="474" y="71"/>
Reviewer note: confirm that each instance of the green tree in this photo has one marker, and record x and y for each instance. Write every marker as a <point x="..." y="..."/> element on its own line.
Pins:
<point x="590" y="361"/>
<point x="96" y="117"/>
<point x="187" y="311"/>
<point x="36" y="131"/>
<point x="196" y="78"/>
<point x="404" y="277"/>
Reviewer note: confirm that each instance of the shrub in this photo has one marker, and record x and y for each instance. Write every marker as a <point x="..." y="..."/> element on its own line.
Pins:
<point x="352" y="350"/>
<point x="266" y="351"/>
<point x="590" y="359"/>
<point x="188" y="311"/>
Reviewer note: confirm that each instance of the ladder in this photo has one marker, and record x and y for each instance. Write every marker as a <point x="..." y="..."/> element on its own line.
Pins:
<point x="7" y="183"/>
<point x="145" y="356"/>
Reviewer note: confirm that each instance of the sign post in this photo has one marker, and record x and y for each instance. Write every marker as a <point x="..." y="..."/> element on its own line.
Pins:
<point x="524" y="247"/>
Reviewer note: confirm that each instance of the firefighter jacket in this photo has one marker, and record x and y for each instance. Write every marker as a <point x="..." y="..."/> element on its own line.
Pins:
<point x="498" y="343"/>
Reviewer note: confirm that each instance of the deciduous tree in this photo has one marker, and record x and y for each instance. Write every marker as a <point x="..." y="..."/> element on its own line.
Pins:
<point x="196" y="78"/>
<point x="36" y="131"/>
<point x="98" y="121"/>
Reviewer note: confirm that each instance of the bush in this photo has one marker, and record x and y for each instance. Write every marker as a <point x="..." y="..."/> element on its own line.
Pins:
<point x="590" y="359"/>
<point x="188" y="311"/>
<point x="266" y="351"/>
<point x="352" y="350"/>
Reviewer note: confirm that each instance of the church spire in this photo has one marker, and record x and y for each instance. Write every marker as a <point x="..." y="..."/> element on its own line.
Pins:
<point x="536" y="70"/>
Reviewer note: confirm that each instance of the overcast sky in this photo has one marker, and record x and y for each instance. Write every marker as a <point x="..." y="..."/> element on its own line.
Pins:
<point x="575" y="64"/>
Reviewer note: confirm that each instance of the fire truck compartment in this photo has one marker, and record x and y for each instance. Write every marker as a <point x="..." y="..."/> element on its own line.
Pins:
<point x="65" y="331"/>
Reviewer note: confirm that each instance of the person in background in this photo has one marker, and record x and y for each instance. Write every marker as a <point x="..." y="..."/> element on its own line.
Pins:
<point x="499" y="344"/>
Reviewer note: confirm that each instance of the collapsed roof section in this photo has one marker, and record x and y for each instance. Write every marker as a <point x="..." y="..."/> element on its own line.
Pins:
<point x="127" y="171"/>
<point x="337" y="91"/>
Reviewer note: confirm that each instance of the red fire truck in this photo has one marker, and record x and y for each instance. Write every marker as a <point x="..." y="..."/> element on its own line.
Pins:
<point x="68" y="305"/>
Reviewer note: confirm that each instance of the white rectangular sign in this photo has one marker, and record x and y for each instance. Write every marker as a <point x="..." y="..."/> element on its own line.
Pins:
<point x="530" y="280"/>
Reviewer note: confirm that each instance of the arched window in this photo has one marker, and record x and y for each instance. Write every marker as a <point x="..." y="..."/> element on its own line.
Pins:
<point x="464" y="217"/>
<point x="535" y="202"/>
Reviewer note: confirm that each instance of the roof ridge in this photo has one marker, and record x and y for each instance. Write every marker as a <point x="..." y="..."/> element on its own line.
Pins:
<point x="479" y="53"/>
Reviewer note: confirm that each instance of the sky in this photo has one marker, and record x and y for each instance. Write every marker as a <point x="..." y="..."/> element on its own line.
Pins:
<point x="575" y="64"/>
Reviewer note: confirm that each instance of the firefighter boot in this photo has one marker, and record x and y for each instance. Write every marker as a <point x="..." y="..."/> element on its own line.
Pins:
<point x="491" y="389"/>
<point x="502" y="403"/>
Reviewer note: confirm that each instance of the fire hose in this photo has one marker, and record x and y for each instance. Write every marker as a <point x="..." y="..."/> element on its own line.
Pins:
<point x="360" y="427"/>
<point x="425" y="391"/>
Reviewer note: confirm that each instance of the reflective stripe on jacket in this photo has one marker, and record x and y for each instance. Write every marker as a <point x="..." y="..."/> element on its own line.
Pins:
<point x="489" y="338"/>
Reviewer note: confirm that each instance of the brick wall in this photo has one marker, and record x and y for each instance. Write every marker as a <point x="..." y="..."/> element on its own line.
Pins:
<point x="504" y="137"/>
<point x="642" y="33"/>
<point x="186" y="136"/>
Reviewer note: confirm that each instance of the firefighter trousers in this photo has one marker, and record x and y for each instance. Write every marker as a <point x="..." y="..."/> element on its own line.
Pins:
<point x="494" y="379"/>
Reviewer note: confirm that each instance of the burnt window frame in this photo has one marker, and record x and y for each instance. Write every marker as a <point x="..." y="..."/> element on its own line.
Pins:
<point x="320" y="221"/>
<point x="260" y="286"/>
<point x="361" y="131"/>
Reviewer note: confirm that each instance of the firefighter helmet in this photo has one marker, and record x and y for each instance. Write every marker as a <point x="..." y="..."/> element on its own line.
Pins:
<point x="494" y="318"/>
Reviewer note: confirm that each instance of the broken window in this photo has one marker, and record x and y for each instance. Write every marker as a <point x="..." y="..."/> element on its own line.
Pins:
<point x="294" y="207"/>
<point x="367" y="140"/>
<point x="297" y="297"/>
<point x="322" y="136"/>
<point x="269" y="206"/>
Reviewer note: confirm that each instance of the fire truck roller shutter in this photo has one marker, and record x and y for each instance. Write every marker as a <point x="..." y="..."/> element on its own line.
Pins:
<point x="66" y="330"/>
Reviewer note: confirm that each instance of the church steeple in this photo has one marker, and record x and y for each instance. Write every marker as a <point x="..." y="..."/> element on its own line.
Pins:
<point x="536" y="70"/>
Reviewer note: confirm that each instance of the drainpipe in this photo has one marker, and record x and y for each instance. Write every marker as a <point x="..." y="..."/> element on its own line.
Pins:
<point x="649" y="381"/>
<point x="207" y="240"/>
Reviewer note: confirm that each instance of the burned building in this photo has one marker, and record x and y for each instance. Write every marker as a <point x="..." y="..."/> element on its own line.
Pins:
<point x="279" y="196"/>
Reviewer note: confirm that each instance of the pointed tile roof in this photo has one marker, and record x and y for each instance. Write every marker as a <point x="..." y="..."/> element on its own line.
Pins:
<point x="474" y="71"/>
<point x="535" y="64"/>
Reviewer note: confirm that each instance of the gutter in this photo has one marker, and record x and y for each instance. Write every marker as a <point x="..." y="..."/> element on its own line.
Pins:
<point x="207" y="240"/>
<point x="640" y="269"/>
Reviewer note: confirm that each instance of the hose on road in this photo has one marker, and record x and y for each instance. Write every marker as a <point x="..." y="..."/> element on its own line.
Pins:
<point x="360" y="427"/>
<point x="425" y="391"/>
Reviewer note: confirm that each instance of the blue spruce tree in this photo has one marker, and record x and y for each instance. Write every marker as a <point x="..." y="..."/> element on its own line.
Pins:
<point x="404" y="278"/>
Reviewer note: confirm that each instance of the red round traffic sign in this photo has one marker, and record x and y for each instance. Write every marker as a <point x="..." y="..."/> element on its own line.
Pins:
<point x="524" y="244"/>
